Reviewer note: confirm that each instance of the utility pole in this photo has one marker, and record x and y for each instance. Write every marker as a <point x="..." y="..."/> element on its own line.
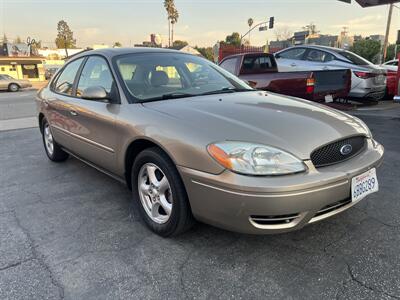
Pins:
<point x="65" y="45"/>
<point x="385" y="45"/>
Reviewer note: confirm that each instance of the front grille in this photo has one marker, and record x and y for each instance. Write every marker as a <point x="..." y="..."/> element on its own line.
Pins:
<point x="274" y="220"/>
<point x="331" y="154"/>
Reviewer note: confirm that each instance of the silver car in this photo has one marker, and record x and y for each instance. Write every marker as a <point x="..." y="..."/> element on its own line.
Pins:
<point x="368" y="80"/>
<point x="193" y="142"/>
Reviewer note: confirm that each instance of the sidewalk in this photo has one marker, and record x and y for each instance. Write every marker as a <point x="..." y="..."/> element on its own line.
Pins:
<point x="38" y="84"/>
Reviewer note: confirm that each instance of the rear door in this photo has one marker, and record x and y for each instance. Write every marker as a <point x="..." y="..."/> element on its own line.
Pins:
<point x="319" y="60"/>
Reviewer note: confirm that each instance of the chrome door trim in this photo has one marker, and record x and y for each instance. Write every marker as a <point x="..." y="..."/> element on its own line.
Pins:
<point x="98" y="145"/>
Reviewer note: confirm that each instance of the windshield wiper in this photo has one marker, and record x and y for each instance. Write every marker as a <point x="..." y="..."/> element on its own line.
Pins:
<point x="170" y="96"/>
<point x="227" y="90"/>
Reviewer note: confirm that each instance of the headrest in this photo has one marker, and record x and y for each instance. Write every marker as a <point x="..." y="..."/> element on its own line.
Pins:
<point x="159" y="78"/>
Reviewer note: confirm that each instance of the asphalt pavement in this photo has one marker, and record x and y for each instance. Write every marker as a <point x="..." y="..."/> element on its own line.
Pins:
<point x="70" y="232"/>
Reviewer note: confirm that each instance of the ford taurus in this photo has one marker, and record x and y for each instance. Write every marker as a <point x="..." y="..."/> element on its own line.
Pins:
<point x="193" y="142"/>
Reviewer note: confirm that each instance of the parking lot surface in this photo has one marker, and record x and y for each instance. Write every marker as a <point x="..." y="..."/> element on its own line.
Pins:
<point x="70" y="232"/>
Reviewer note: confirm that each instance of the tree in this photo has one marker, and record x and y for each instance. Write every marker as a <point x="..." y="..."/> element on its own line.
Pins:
<point x="117" y="45"/>
<point x="179" y="44"/>
<point x="250" y="22"/>
<point x="233" y="39"/>
<point x="174" y="20"/>
<point x="369" y="49"/>
<point x="65" y="36"/>
<point x="390" y="52"/>
<point x="5" y="39"/>
<point x="283" y="33"/>
<point x="169" y="6"/>
<point x="207" y="52"/>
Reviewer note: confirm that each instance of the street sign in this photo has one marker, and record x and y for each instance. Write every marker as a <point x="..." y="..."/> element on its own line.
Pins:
<point x="263" y="28"/>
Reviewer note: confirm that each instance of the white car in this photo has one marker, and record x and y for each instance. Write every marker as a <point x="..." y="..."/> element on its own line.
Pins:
<point x="391" y="65"/>
<point x="368" y="80"/>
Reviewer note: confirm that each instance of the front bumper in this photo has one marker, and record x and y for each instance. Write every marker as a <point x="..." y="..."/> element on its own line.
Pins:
<point x="265" y="205"/>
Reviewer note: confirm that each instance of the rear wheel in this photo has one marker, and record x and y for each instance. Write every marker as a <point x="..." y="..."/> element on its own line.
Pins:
<point x="53" y="150"/>
<point x="13" y="87"/>
<point x="161" y="195"/>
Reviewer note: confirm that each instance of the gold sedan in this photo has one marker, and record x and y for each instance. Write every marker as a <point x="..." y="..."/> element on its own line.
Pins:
<point x="11" y="84"/>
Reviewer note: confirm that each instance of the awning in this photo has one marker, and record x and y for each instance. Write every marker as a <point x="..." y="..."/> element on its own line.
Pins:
<point x="10" y="61"/>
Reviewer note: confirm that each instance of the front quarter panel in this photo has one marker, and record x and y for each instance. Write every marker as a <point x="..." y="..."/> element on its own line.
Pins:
<point x="184" y="144"/>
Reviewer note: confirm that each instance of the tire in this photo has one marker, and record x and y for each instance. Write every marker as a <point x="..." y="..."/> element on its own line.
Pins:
<point x="180" y="218"/>
<point x="54" y="152"/>
<point x="13" y="87"/>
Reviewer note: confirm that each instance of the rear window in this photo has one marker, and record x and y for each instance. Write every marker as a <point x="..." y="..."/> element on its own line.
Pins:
<point x="229" y="65"/>
<point x="257" y="64"/>
<point x="354" y="58"/>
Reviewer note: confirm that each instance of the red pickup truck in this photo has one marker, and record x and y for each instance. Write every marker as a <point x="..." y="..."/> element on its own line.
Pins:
<point x="261" y="71"/>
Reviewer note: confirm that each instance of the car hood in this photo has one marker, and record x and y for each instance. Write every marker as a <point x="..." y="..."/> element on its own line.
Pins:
<point x="297" y="126"/>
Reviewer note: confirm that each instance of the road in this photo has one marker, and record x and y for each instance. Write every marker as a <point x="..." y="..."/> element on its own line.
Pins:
<point x="17" y="110"/>
<point x="70" y="232"/>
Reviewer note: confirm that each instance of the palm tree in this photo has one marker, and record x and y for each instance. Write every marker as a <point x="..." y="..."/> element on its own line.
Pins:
<point x="174" y="19"/>
<point x="169" y="7"/>
<point x="250" y="23"/>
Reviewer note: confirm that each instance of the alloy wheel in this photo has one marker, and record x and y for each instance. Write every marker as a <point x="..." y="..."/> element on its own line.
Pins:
<point x="48" y="139"/>
<point x="155" y="193"/>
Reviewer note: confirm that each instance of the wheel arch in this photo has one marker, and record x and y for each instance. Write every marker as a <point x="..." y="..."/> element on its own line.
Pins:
<point x="132" y="151"/>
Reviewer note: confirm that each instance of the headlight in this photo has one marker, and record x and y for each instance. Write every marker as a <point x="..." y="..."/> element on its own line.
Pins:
<point x="255" y="159"/>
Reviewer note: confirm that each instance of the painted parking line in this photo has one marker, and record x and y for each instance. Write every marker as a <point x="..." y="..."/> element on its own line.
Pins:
<point x="18" y="123"/>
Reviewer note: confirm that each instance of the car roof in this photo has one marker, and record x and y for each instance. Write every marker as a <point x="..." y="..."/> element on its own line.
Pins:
<point x="111" y="52"/>
<point x="326" y="48"/>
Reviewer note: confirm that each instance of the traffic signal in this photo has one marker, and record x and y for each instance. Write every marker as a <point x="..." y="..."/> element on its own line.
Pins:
<point x="271" y="22"/>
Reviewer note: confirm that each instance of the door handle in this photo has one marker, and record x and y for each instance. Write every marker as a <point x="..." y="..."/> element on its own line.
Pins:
<point x="325" y="68"/>
<point x="73" y="113"/>
<point x="293" y="65"/>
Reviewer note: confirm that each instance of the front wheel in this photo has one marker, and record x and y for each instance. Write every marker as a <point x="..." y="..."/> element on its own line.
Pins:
<point x="157" y="186"/>
<point x="13" y="87"/>
<point x="53" y="150"/>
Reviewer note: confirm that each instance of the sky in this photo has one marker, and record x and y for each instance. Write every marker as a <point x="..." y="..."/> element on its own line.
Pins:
<point x="201" y="22"/>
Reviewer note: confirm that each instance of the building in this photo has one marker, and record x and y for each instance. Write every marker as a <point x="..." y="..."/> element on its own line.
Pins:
<point x="30" y="68"/>
<point x="17" y="61"/>
<point x="377" y="37"/>
<point x="188" y="49"/>
<point x="323" y="40"/>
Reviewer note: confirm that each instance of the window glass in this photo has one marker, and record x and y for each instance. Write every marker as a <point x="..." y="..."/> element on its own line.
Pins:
<point x="95" y="73"/>
<point x="158" y="75"/>
<point x="66" y="79"/>
<point x="229" y="65"/>
<point x="354" y="58"/>
<point x="296" y="53"/>
<point x="258" y="64"/>
<point x="319" y="56"/>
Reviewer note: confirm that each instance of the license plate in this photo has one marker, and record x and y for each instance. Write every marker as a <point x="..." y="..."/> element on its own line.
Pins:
<point x="328" y="98"/>
<point x="364" y="185"/>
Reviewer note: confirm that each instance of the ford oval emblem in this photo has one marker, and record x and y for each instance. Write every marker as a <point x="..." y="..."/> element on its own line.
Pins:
<point x="346" y="149"/>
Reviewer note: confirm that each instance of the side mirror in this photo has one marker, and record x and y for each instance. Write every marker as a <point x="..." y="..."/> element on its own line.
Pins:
<point x="95" y="93"/>
<point x="277" y="56"/>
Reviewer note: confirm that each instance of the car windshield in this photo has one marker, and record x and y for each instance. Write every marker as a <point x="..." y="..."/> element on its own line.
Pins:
<point x="354" y="58"/>
<point x="160" y="76"/>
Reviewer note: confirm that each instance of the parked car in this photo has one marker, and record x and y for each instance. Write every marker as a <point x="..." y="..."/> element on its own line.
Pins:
<point x="368" y="80"/>
<point x="391" y="82"/>
<point x="260" y="69"/>
<point x="391" y="65"/>
<point x="50" y="72"/>
<point x="8" y="83"/>
<point x="194" y="142"/>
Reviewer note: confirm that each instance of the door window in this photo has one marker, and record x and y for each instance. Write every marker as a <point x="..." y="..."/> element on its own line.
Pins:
<point x="229" y="65"/>
<point x="95" y="73"/>
<point x="65" y="81"/>
<point x="295" y="53"/>
<point x="319" y="56"/>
